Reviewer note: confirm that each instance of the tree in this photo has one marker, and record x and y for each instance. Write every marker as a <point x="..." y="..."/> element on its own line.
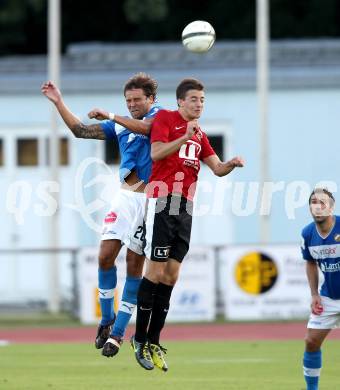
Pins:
<point x="23" y="24"/>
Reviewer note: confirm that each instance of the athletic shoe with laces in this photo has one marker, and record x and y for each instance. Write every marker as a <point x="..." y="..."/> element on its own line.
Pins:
<point x="142" y="353"/>
<point x="157" y="354"/>
<point x="103" y="333"/>
<point x="112" y="345"/>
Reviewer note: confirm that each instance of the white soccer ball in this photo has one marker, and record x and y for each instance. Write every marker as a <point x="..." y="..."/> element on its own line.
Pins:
<point x="198" y="36"/>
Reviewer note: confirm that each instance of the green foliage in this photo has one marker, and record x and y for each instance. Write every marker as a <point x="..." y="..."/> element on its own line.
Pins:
<point x="23" y="23"/>
<point x="137" y="11"/>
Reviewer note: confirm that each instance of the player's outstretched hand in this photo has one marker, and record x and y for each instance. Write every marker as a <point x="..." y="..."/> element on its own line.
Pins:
<point x="316" y="305"/>
<point x="237" y="162"/>
<point x="51" y="91"/>
<point x="99" y="114"/>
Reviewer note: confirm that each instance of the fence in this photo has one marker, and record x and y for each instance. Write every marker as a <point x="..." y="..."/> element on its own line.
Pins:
<point x="25" y="279"/>
<point x="247" y="282"/>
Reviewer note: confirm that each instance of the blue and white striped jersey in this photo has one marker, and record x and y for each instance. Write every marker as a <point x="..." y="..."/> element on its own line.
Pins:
<point x="326" y="251"/>
<point x="134" y="148"/>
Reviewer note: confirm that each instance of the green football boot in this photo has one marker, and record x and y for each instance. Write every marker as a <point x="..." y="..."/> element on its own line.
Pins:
<point x="157" y="354"/>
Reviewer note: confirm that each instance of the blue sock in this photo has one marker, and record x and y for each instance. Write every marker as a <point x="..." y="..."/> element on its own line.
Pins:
<point x="127" y="306"/>
<point x="312" y="362"/>
<point x="107" y="281"/>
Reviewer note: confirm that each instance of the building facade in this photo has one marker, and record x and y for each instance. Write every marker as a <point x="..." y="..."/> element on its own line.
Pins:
<point x="304" y="119"/>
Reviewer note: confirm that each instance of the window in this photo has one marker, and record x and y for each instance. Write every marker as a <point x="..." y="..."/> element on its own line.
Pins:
<point x="217" y="143"/>
<point x="1" y="153"/>
<point x="63" y="151"/>
<point x="111" y="153"/>
<point x="27" y="151"/>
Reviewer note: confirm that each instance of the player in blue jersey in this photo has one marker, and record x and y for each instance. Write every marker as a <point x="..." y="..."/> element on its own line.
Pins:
<point x="320" y="248"/>
<point x="123" y="223"/>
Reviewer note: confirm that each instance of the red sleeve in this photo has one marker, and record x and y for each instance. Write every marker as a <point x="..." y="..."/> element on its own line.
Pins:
<point x="207" y="149"/>
<point x="160" y="127"/>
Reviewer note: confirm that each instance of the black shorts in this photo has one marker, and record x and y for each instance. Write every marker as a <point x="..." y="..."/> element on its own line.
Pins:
<point x="167" y="226"/>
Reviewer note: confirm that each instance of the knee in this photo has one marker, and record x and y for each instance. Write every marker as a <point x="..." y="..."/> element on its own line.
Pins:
<point x="106" y="260"/>
<point x="312" y="343"/>
<point x="169" y="278"/>
<point x="134" y="265"/>
<point x="155" y="275"/>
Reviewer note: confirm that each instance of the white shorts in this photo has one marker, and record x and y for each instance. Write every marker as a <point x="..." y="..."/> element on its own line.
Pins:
<point x="329" y="318"/>
<point x="124" y="221"/>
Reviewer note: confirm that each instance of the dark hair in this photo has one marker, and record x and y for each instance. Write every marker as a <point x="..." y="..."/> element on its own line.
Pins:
<point x="321" y="190"/>
<point x="186" y="85"/>
<point x="142" y="81"/>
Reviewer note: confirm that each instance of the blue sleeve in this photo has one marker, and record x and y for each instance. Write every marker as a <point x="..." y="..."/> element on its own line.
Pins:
<point x="153" y="111"/>
<point x="109" y="129"/>
<point x="304" y="247"/>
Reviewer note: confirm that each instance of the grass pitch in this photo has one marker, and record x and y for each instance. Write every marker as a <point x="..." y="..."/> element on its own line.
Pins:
<point x="262" y="365"/>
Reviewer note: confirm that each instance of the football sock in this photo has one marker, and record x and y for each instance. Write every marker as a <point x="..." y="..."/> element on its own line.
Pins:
<point x="127" y="306"/>
<point x="107" y="281"/>
<point x="312" y="362"/>
<point x="144" y="308"/>
<point x="160" y="310"/>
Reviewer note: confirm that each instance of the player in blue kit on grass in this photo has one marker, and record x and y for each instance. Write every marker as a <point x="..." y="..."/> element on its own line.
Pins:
<point x="123" y="223"/>
<point x="320" y="248"/>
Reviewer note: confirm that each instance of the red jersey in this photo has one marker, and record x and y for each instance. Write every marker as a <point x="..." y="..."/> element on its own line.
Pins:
<point x="176" y="173"/>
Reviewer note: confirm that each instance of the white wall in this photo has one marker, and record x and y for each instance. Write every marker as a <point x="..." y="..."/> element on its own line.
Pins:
<point x="303" y="146"/>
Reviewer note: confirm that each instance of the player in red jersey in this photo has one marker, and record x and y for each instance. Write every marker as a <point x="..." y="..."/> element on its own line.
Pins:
<point x="177" y="146"/>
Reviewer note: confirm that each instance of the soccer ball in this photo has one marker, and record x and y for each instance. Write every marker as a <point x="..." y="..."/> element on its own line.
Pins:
<point x="198" y="36"/>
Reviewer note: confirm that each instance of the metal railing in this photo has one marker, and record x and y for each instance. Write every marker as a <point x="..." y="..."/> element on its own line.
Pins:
<point x="33" y="296"/>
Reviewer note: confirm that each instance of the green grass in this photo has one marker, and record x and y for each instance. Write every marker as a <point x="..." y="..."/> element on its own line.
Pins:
<point x="261" y="365"/>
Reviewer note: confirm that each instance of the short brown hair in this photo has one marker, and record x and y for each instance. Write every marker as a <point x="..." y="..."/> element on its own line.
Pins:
<point x="142" y="81"/>
<point x="319" y="191"/>
<point x="186" y="85"/>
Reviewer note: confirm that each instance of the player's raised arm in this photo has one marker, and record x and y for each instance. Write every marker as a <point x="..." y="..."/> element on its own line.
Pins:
<point x="161" y="150"/>
<point x="141" y="126"/>
<point x="79" y="129"/>
<point x="223" y="168"/>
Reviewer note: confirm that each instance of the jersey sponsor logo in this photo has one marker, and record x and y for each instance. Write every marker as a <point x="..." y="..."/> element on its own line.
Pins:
<point x="110" y="217"/>
<point x="190" y="150"/>
<point x="320" y="252"/>
<point x="162" y="252"/>
<point x="334" y="267"/>
<point x="337" y="237"/>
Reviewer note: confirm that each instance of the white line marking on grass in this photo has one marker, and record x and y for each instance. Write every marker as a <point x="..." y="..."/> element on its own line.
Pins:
<point x="4" y="343"/>
<point x="231" y="360"/>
